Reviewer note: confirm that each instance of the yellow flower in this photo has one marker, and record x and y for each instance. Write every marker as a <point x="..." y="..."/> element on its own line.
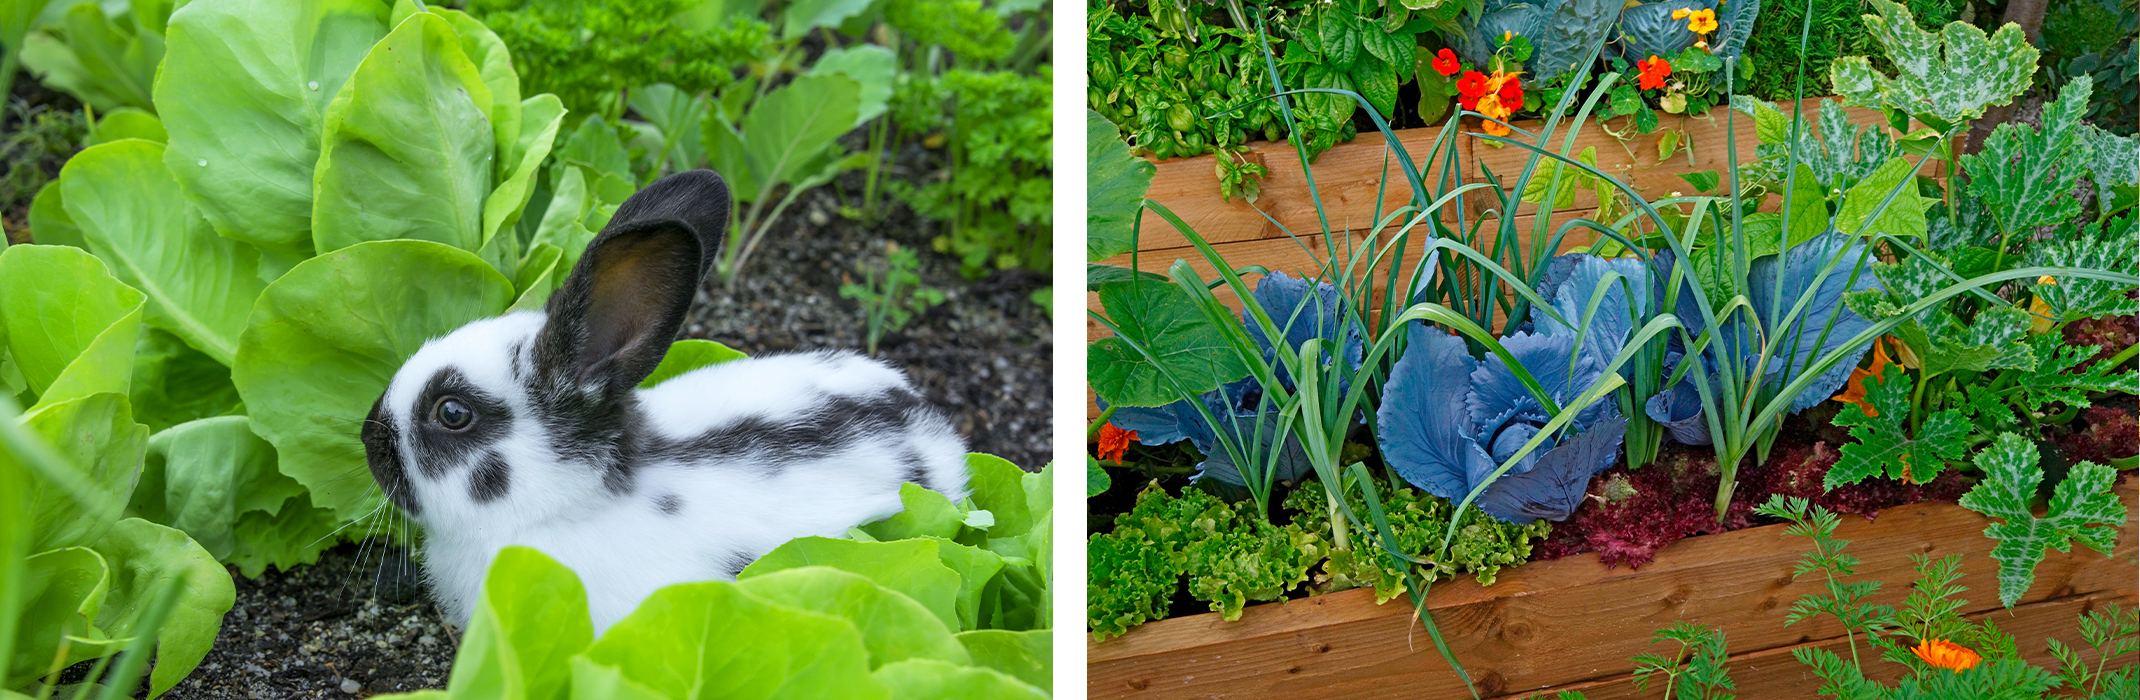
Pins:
<point x="1940" y="653"/>
<point x="1681" y="13"/>
<point x="1700" y="21"/>
<point x="2040" y="311"/>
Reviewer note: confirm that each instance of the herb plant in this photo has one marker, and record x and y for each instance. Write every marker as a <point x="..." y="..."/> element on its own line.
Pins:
<point x="891" y="294"/>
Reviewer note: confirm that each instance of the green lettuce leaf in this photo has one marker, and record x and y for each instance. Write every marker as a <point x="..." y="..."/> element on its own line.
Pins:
<point x="701" y="641"/>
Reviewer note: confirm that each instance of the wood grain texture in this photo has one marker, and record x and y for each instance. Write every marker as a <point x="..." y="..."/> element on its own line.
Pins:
<point x="1555" y="623"/>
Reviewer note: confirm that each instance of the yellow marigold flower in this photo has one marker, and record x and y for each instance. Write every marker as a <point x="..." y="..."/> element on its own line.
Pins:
<point x="1940" y="653"/>
<point x="1700" y="21"/>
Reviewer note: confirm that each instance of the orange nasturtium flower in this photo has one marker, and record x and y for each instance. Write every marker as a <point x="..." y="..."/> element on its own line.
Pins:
<point x="1114" y="441"/>
<point x="1940" y="653"/>
<point x="1653" y="72"/>
<point x="1854" y="389"/>
<point x="1698" y="21"/>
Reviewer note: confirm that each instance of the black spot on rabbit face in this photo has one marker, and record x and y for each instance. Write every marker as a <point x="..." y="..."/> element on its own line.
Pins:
<point x="490" y="480"/>
<point x="382" y="453"/>
<point x="455" y="422"/>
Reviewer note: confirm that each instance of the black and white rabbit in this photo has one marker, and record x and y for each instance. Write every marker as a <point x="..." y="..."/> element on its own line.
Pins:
<point x="529" y="429"/>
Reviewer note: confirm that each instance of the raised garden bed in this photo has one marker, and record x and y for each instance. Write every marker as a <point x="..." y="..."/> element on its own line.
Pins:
<point x="1572" y="623"/>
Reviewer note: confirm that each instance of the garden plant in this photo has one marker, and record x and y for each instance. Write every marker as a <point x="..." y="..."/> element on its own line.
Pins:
<point x="275" y="204"/>
<point x="1857" y="317"/>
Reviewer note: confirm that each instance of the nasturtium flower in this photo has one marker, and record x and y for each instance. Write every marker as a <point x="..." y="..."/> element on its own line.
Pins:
<point x="1448" y="421"/>
<point x="1698" y="21"/>
<point x="1472" y="85"/>
<point x="1445" y="62"/>
<point x="1510" y="89"/>
<point x="1653" y="71"/>
<point x="1491" y="106"/>
<point x="1114" y="442"/>
<point x="1940" y="653"/>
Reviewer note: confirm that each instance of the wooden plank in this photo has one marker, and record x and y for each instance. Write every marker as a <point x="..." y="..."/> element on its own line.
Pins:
<point x="1774" y="674"/>
<point x="1552" y="623"/>
<point x="1347" y="177"/>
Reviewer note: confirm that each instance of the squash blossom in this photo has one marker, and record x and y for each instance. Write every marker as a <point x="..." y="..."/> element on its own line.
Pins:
<point x="1854" y="389"/>
<point x="1114" y="441"/>
<point x="1940" y="653"/>
<point x="2039" y="310"/>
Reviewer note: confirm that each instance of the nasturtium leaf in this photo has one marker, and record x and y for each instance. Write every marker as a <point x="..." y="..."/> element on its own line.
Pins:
<point x="71" y="327"/>
<point x="1903" y="217"/>
<point x="1886" y="446"/>
<point x="61" y="591"/>
<point x="2079" y="504"/>
<point x="143" y="557"/>
<point x="894" y="627"/>
<point x="687" y="355"/>
<point x="869" y="65"/>
<point x="1949" y="76"/>
<point x="924" y="679"/>
<point x="1025" y="656"/>
<point x="1166" y="323"/>
<point x="2026" y="174"/>
<point x="243" y="90"/>
<point x="702" y="641"/>
<point x="923" y="513"/>
<point x="911" y="567"/>
<point x="1115" y="183"/>
<point x="199" y="285"/>
<point x="531" y="619"/>
<point x="406" y="145"/>
<point x="208" y="472"/>
<point x="324" y="340"/>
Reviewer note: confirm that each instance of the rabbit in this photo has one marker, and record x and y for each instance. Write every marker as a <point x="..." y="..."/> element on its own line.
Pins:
<point x="530" y="429"/>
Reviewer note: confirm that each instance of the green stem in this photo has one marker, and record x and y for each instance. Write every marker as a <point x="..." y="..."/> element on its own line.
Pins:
<point x="1092" y="430"/>
<point x="1340" y="538"/>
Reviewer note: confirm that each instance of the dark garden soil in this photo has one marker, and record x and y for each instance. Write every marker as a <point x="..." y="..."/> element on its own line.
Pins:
<point x="355" y="624"/>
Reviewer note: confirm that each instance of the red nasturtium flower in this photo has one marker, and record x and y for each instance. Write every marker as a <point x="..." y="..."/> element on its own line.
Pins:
<point x="1114" y="441"/>
<point x="1654" y="70"/>
<point x="1511" y="90"/>
<point x="1445" y="63"/>
<point x="1940" y="653"/>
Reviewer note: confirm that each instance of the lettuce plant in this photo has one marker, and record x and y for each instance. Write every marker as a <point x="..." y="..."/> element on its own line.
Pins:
<point x="103" y="54"/>
<point x="943" y="600"/>
<point x="84" y="571"/>
<point x="271" y="219"/>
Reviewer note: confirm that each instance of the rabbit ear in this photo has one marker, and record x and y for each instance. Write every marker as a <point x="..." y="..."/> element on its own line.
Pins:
<point x="611" y="321"/>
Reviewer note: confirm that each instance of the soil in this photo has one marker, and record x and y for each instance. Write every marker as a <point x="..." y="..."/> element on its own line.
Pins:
<point x="355" y="624"/>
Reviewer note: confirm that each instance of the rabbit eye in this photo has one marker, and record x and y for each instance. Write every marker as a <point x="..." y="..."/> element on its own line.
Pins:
<point x="453" y="414"/>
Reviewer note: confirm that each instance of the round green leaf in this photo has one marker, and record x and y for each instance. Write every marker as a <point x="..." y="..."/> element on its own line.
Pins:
<point x="699" y="641"/>
<point x="243" y="90"/>
<point x="407" y="145"/>
<point x="893" y="626"/>
<point x="324" y="340"/>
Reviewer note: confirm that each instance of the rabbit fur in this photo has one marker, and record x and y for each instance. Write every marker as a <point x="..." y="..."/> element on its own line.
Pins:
<point x="529" y="429"/>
